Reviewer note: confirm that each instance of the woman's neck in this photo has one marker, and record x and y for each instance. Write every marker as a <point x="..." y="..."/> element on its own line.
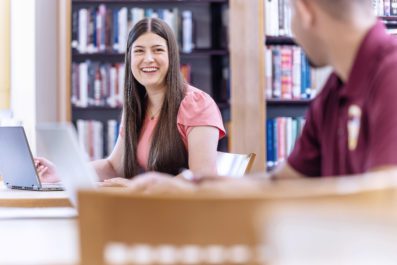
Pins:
<point x="155" y="98"/>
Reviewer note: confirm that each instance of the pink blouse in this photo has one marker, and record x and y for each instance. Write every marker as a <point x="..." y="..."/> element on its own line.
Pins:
<point x="196" y="109"/>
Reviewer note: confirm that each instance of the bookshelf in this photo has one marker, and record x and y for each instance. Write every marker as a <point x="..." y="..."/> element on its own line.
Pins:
<point x="207" y="64"/>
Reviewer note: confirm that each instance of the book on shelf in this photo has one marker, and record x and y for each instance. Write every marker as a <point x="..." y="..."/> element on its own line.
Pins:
<point x="97" y="84"/>
<point x="186" y="70"/>
<point x="91" y="135"/>
<point x="278" y="17"/>
<point x="385" y="8"/>
<point x="288" y="74"/>
<point x="102" y="28"/>
<point x="281" y="135"/>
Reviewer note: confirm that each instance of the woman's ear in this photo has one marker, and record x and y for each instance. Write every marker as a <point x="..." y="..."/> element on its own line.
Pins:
<point x="305" y="12"/>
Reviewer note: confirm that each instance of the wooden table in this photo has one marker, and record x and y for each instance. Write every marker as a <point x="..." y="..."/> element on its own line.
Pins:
<point x="39" y="241"/>
<point x="24" y="198"/>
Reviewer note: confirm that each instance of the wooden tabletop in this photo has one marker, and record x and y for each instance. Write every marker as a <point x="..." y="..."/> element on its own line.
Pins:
<point x="25" y="198"/>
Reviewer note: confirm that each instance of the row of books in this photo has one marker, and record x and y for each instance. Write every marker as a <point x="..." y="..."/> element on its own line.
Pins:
<point x="96" y="84"/>
<point x="91" y="137"/>
<point x="102" y="85"/>
<point x="278" y="17"/>
<point x="104" y="29"/>
<point x="385" y="7"/>
<point x="281" y="135"/>
<point x="288" y="73"/>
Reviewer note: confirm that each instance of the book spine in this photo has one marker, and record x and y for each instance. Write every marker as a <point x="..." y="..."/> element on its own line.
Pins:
<point x="75" y="30"/>
<point x="393" y="10"/>
<point x="187" y="31"/>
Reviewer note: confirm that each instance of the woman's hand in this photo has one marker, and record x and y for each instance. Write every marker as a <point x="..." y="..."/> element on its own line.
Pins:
<point x="159" y="183"/>
<point x="46" y="170"/>
<point x="115" y="182"/>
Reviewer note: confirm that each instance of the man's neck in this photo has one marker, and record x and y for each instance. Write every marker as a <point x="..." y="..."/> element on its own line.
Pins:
<point x="344" y="47"/>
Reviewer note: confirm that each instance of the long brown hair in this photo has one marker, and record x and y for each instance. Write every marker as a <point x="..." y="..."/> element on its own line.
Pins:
<point x="167" y="152"/>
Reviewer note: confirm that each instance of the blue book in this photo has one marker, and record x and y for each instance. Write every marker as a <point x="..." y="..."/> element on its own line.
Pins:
<point x="303" y="75"/>
<point x="160" y="12"/>
<point x="269" y="143"/>
<point x="275" y="141"/>
<point x="115" y="29"/>
<point x="308" y="79"/>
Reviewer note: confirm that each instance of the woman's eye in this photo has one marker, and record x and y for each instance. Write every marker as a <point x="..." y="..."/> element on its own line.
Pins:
<point x="159" y="50"/>
<point x="138" y="51"/>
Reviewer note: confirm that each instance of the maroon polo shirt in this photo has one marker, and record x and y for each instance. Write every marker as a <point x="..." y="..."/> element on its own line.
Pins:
<point x="351" y="127"/>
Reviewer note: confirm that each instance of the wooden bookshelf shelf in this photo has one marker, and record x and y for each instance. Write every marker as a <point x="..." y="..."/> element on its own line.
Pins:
<point x="145" y="1"/>
<point x="279" y="40"/>
<point x="120" y="56"/>
<point x="273" y="102"/>
<point x="390" y="21"/>
<point x="96" y="108"/>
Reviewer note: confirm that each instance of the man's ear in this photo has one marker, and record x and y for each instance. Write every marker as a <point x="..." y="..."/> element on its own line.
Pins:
<point x="305" y="12"/>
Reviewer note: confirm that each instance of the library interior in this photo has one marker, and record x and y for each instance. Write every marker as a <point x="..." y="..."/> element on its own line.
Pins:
<point x="198" y="132"/>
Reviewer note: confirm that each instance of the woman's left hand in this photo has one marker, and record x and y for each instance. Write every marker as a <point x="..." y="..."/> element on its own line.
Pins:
<point x="115" y="182"/>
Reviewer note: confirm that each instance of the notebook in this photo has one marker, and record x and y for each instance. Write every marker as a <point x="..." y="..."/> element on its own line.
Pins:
<point x="58" y="142"/>
<point x="16" y="162"/>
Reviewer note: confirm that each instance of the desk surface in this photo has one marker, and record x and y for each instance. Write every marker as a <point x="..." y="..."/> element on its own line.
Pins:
<point x="22" y="198"/>
<point x="39" y="241"/>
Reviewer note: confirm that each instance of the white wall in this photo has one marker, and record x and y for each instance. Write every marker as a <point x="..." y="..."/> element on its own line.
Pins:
<point x="23" y="66"/>
<point x="46" y="60"/>
<point x="34" y="63"/>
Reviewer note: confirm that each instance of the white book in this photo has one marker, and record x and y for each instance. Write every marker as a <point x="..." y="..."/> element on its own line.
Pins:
<point x="175" y="23"/>
<point x="187" y="31"/>
<point x="375" y="6"/>
<point x="168" y="17"/>
<point x="289" y="142"/>
<point x="296" y="72"/>
<point x="82" y="136"/>
<point x="83" y="74"/>
<point x="102" y="15"/>
<point x="137" y="15"/>
<point x="111" y="99"/>
<point x="123" y="34"/>
<point x="269" y="74"/>
<point x="97" y="140"/>
<point x="105" y="84"/>
<point x="275" y="15"/>
<point x="83" y="30"/>
<point x="111" y="135"/>
<point x="120" y="95"/>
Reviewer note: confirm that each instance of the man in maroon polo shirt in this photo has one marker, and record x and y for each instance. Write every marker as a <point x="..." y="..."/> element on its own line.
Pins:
<point x="351" y="126"/>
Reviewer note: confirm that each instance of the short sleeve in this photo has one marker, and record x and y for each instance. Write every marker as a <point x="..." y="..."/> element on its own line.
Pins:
<point x="306" y="155"/>
<point x="198" y="109"/>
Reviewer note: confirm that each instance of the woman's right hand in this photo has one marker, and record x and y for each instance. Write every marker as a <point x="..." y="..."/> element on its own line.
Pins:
<point x="46" y="170"/>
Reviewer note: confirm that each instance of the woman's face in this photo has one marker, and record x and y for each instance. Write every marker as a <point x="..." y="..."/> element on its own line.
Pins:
<point x="149" y="61"/>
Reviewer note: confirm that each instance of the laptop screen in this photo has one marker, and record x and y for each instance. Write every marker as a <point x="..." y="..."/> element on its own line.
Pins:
<point x="16" y="161"/>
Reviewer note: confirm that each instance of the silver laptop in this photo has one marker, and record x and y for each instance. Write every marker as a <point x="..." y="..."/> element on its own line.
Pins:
<point x="16" y="162"/>
<point x="58" y="142"/>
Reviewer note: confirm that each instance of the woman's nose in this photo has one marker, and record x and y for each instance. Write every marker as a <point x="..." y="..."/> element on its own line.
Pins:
<point x="148" y="57"/>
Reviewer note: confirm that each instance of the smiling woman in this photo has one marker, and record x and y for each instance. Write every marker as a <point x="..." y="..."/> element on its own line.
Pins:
<point x="167" y="125"/>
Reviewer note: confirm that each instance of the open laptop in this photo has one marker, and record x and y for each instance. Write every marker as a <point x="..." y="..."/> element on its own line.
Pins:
<point x="16" y="162"/>
<point x="58" y="143"/>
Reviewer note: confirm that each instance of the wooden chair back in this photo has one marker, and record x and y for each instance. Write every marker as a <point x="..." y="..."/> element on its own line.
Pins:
<point x="109" y="219"/>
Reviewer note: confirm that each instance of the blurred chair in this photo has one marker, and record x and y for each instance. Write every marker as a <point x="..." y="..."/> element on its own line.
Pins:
<point x="234" y="165"/>
<point x="121" y="228"/>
